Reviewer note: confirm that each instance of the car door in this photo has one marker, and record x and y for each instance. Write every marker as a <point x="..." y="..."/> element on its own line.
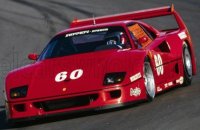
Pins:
<point x="163" y="57"/>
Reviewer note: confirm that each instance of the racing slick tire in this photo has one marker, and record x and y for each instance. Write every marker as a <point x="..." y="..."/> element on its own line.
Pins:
<point x="149" y="80"/>
<point x="187" y="65"/>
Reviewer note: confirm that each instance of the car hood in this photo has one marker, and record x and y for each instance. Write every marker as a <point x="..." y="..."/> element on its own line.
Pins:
<point x="90" y="68"/>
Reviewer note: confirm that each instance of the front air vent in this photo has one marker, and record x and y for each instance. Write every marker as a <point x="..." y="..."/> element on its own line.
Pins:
<point x="164" y="47"/>
<point x="71" y="102"/>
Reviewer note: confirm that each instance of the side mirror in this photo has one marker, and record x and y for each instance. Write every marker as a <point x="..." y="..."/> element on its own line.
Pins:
<point x="143" y="39"/>
<point x="33" y="56"/>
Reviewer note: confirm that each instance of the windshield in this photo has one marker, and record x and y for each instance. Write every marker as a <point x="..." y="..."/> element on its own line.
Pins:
<point x="86" y="41"/>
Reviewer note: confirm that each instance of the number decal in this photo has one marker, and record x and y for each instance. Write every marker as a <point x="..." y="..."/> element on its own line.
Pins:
<point x="74" y="75"/>
<point x="159" y="64"/>
<point x="61" y="76"/>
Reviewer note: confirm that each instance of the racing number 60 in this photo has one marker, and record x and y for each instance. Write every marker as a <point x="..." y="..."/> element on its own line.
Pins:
<point x="159" y="64"/>
<point x="74" y="75"/>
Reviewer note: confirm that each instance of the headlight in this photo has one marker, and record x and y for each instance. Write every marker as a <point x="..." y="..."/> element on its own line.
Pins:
<point x="18" y="92"/>
<point x="114" y="78"/>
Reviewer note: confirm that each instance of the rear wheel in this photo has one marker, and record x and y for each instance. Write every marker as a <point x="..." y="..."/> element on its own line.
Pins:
<point x="187" y="65"/>
<point x="149" y="81"/>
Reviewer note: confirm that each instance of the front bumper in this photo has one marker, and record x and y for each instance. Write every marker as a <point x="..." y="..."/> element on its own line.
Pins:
<point x="111" y="97"/>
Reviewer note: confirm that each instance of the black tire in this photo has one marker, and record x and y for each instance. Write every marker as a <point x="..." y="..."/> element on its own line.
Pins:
<point x="149" y="80"/>
<point x="187" y="65"/>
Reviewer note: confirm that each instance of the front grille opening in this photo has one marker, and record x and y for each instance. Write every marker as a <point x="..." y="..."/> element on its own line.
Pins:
<point x="115" y="94"/>
<point x="19" y="107"/>
<point x="58" y="104"/>
<point x="38" y="105"/>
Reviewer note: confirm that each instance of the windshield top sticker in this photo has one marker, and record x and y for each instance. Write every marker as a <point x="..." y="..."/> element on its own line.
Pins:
<point x="100" y="30"/>
<point x="86" y="32"/>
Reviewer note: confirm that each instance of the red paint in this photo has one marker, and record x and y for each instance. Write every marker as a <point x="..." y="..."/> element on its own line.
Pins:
<point x="33" y="56"/>
<point x="40" y="76"/>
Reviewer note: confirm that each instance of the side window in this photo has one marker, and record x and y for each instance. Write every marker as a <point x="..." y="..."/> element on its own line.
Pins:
<point x="151" y="34"/>
<point x="140" y="35"/>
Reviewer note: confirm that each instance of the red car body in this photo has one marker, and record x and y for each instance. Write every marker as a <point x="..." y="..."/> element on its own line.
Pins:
<point x="77" y="82"/>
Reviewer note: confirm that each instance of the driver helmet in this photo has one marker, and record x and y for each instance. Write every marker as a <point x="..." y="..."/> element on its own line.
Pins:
<point x="117" y="38"/>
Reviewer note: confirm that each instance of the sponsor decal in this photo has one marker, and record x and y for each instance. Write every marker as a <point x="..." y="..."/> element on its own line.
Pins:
<point x="86" y="32"/>
<point x="159" y="89"/>
<point x="168" y="84"/>
<point x="177" y="81"/>
<point x="135" y="77"/>
<point x="77" y="33"/>
<point x="99" y="30"/>
<point x="182" y="35"/>
<point x="62" y="76"/>
<point x="180" y="80"/>
<point x="159" y="64"/>
<point x="135" y="92"/>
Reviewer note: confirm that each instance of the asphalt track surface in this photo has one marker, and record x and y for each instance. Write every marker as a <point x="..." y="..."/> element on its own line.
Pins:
<point x="27" y="25"/>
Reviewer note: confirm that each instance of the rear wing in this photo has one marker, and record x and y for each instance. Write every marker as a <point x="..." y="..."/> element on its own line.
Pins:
<point x="135" y="15"/>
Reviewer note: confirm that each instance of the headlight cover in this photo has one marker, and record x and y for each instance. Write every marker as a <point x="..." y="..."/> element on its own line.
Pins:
<point x="18" y="92"/>
<point x="114" y="78"/>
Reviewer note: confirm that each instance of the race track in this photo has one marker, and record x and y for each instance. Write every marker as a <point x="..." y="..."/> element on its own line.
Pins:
<point x="27" y="25"/>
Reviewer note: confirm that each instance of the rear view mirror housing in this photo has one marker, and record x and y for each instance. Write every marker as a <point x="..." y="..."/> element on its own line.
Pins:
<point x="33" y="56"/>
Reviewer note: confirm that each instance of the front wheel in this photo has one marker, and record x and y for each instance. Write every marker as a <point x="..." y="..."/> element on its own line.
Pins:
<point x="149" y="81"/>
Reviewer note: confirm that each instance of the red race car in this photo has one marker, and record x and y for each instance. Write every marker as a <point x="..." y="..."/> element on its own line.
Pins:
<point x="101" y="63"/>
